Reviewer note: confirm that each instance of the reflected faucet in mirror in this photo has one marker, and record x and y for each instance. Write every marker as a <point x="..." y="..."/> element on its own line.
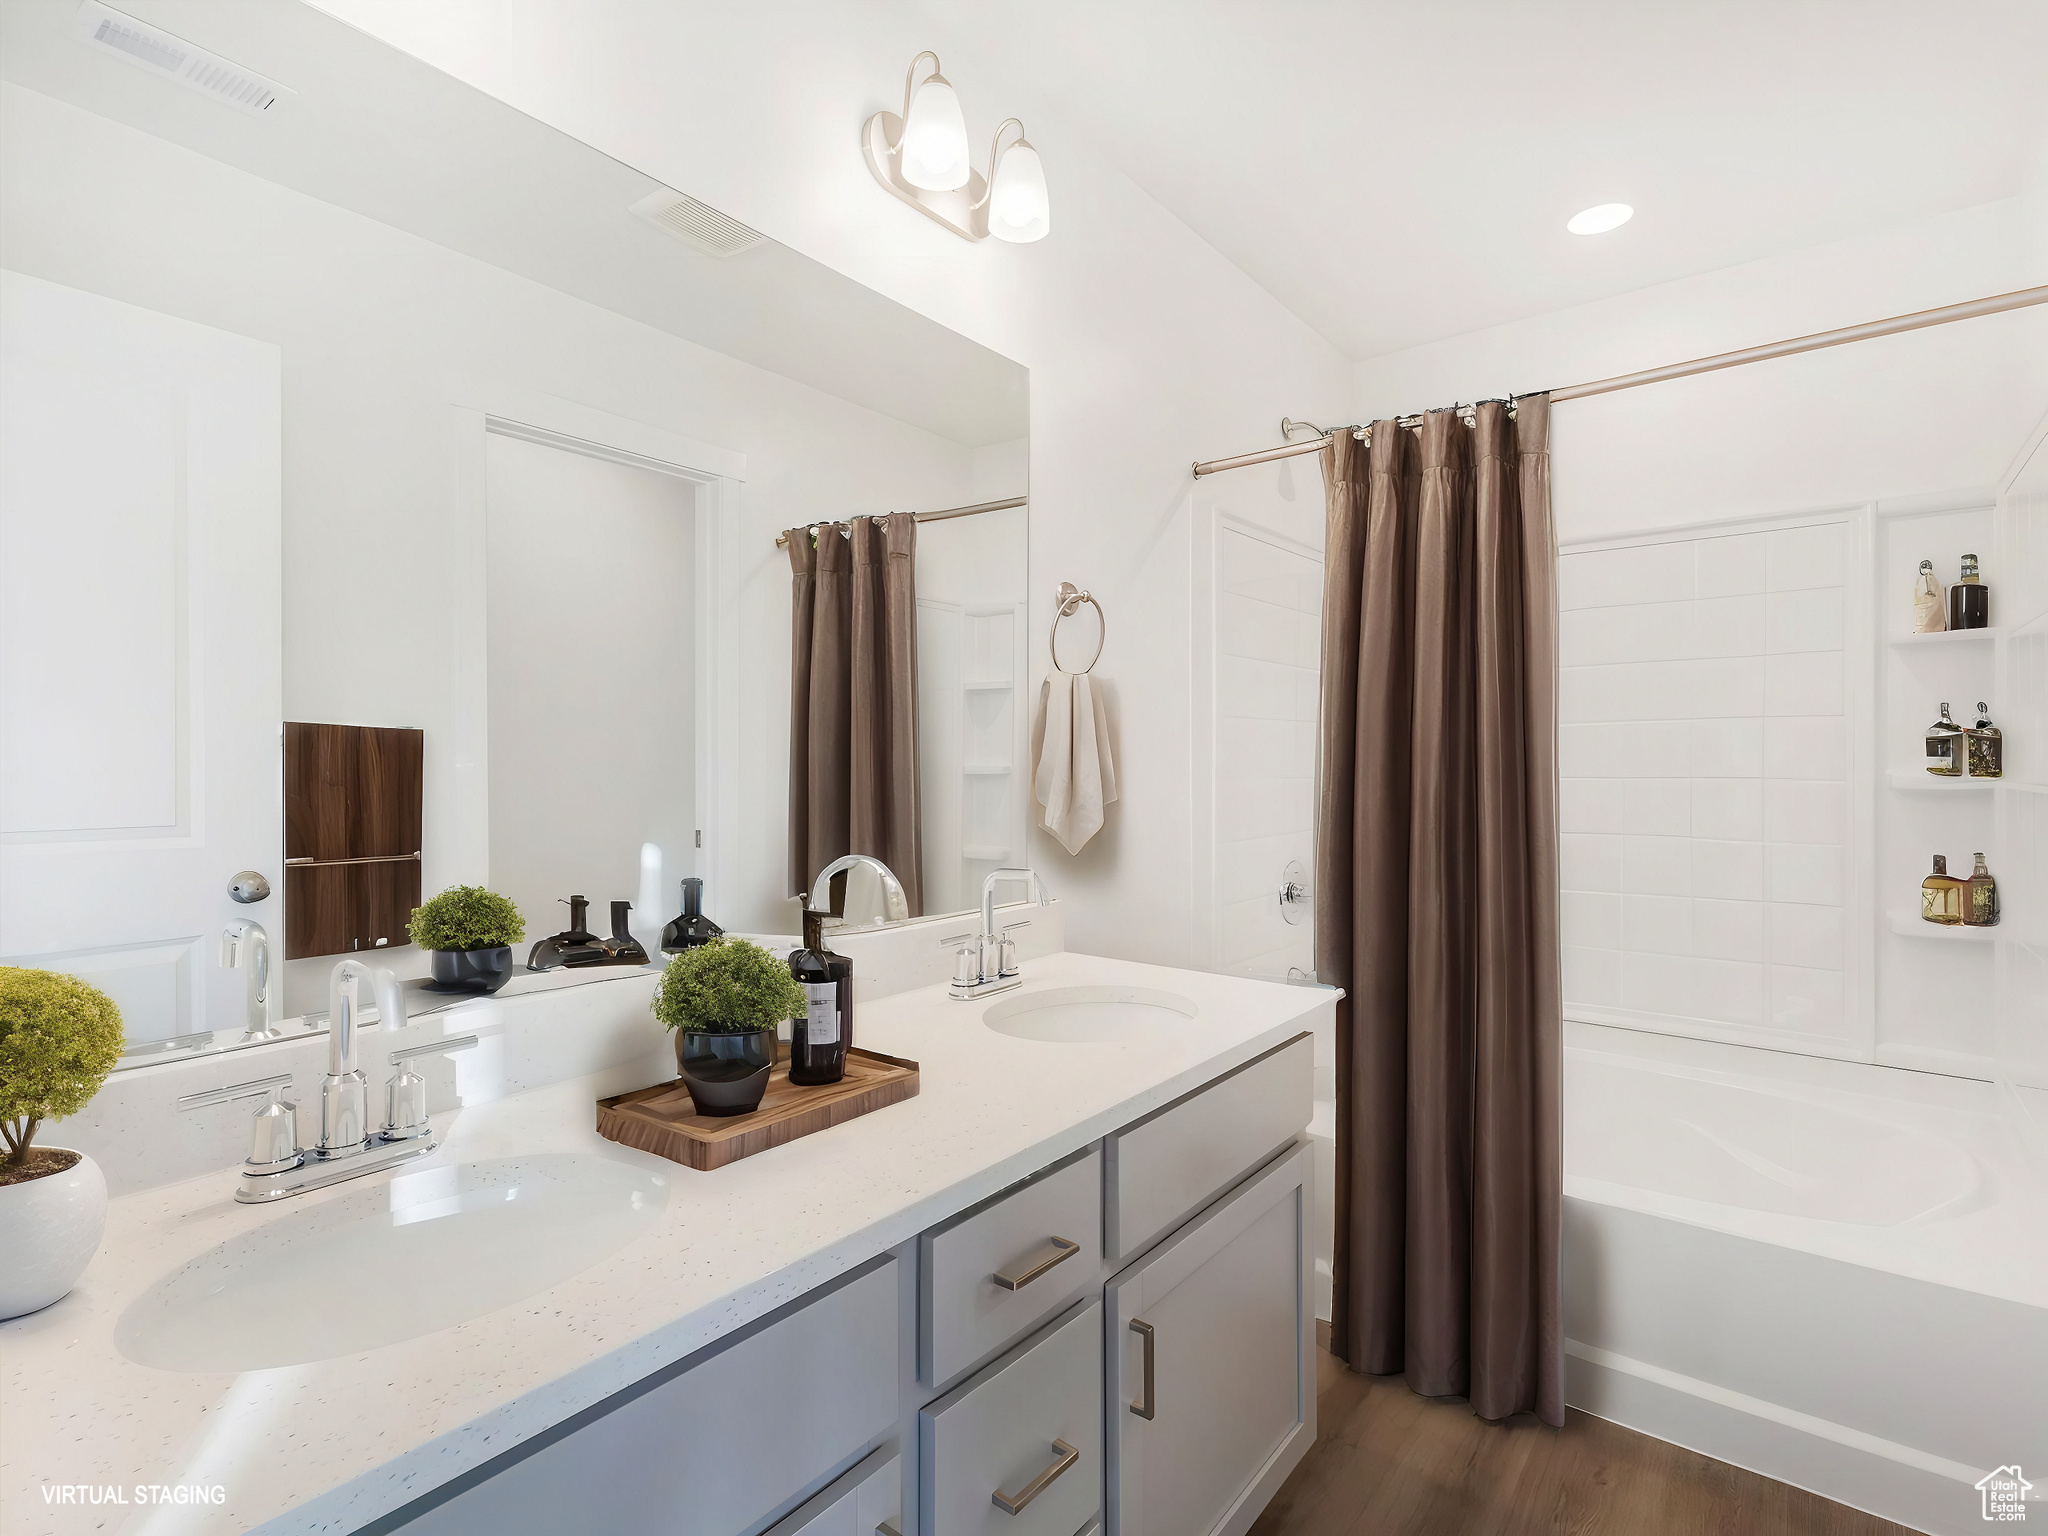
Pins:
<point x="246" y="947"/>
<point x="990" y="964"/>
<point x="895" y="905"/>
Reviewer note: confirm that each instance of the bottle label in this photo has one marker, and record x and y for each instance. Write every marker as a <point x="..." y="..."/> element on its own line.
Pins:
<point x="821" y="1012"/>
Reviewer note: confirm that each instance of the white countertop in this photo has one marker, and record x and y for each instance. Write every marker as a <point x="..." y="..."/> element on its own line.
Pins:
<point x="328" y="1446"/>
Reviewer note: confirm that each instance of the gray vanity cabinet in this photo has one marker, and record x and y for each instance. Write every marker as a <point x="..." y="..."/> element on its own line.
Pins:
<point x="1164" y="1268"/>
<point x="1211" y="1397"/>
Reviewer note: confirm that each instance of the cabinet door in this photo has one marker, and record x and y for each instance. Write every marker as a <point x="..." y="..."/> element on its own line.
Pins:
<point x="1211" y="1398"/>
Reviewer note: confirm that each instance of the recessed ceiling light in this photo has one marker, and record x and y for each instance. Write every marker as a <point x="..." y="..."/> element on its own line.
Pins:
<point x="1597" y="221"/>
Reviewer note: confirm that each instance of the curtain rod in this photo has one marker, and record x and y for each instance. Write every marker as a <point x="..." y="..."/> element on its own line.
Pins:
<point x="1998" y="303"/>
<point x="939" y="516"/>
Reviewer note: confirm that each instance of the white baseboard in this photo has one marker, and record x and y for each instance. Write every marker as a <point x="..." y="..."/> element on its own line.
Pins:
<point x="1850" y="1466"/>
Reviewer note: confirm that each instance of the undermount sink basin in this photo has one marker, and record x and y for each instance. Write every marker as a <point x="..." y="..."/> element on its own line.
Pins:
<point x="431" y="1248"/>
<point x="1071" y="1015"/>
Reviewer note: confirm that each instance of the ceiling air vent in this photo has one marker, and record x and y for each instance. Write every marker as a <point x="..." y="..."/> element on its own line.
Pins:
<point x="160" y="53"/>
<point x="697" y="224"/>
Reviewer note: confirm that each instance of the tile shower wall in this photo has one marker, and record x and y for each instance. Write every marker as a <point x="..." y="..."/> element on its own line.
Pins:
<point x="1268" y="675"/>
<point x="1704" y="758"/>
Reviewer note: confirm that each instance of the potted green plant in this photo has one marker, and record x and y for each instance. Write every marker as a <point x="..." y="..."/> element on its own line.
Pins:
<point x="59" y="1038"/>
<point x="468" y="933"/>
<point x="724" y="999"/>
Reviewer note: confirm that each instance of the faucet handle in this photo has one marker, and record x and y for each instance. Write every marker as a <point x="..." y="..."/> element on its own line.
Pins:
<point x="1010" y="965"/>
<point x="274" y="1135"/>
<point x="405" y="1096"/>
<point x="967" y="965"/>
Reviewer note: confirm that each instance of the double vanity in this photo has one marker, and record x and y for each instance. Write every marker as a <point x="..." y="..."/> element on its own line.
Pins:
<point x="1066" y="1288"/>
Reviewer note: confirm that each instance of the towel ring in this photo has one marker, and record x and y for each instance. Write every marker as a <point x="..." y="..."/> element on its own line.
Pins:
<point x="1070" y="599"/>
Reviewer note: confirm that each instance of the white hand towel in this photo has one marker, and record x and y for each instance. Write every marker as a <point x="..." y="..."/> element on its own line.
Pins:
<point x="1075" y="775"/>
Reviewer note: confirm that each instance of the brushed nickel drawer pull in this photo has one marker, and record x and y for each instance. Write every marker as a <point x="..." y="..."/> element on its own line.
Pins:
<point x="887" y="1528"/>
<point x="1037" y="1485"/>
<point x="1143" y="1408"/>
<point x="1066" y="1250"/>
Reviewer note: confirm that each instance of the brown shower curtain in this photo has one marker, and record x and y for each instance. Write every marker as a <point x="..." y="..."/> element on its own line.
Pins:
<point x="853" y="700"/>
<point x="1437" y="875"/>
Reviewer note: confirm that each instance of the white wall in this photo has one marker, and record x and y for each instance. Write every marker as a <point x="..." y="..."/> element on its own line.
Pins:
<point x="381" y="332"/>
<point x="1147" y="349"/>
<point x="1928" y="411"/>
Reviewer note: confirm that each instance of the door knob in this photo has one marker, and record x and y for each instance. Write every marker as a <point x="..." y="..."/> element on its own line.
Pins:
<point x="249" y="886"/>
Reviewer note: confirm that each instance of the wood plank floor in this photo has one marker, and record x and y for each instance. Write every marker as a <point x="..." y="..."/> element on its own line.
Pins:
<point x="1389" y="1463"/>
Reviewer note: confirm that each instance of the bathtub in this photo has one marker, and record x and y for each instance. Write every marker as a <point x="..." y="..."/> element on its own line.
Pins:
<point x="1832" y="1273"/>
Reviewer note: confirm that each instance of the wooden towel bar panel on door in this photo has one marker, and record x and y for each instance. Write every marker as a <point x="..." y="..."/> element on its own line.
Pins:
<point x="353" y="801"/>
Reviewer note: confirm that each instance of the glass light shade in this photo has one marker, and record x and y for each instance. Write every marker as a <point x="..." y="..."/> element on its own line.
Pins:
<point x="935" y="138"/>
<point x="1019" y="208"/>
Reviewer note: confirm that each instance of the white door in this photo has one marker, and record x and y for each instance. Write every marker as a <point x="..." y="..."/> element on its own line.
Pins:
<point x="1211" y="1398"/>
<point x="139" y="650"/>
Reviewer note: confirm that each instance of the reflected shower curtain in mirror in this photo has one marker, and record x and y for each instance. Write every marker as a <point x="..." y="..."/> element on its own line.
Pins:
<point x="853" y="700"/>
<point x="1437" y="878"/>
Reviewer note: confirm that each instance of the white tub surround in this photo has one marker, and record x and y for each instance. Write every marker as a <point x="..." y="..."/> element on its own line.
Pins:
<point x="1832" y="1273"/>
<point x="332" y="1445"/>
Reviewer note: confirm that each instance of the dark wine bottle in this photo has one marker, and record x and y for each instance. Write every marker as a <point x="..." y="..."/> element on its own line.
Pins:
<point x="1969" y="600"/>
<point x="820" y="1035"/>
<point x="693" y="927"/>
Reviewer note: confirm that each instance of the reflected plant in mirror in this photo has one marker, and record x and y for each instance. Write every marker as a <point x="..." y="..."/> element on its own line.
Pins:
<point x="468" y="933"/>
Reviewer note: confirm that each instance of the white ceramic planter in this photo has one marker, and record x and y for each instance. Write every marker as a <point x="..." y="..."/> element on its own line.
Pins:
<point x="49" y="1230"/>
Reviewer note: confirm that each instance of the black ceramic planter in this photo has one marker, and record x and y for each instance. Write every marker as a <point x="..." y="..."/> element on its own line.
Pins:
<point x="470" y="970"/>
<point x="726" y="1074"/>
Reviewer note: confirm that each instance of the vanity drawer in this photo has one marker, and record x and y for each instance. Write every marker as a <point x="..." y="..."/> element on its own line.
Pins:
<point x="993" y="1273"/>
<point x="1177" y="1159"/>
<point x="707" y="1447"/>
<point x="1028" y="1431"/>
<point x="856" y="1504"/>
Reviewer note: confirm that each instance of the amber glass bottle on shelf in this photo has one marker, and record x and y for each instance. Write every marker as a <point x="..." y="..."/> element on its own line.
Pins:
<point x="1987" y="746"/>
<point x="1980" y="897"/>
<point x="1945" y="746"/>
<point x="1941" y="895"/>
<point x="1969" y="600"/>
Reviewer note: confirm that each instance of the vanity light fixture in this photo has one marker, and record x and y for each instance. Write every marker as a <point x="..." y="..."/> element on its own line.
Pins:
<point x="922" y="157"/>
<point x="1600" y="219"/>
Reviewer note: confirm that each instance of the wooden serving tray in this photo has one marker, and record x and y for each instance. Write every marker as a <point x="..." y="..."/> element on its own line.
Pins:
<point x="662" y="1120"/>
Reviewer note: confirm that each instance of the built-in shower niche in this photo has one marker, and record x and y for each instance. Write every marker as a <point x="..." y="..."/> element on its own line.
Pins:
<point x="971" y="689"/>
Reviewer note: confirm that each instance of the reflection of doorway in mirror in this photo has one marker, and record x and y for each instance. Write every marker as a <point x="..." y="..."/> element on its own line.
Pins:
<point x="139" y="653"/>
<point x="591" y="664"/>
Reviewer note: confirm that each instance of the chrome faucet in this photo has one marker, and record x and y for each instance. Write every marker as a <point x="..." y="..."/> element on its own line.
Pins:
<point x="895" y="905"/>
<point x="989" y="963"/>
<point x="245" y="946"/>
<point x="346" y="1147"/>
